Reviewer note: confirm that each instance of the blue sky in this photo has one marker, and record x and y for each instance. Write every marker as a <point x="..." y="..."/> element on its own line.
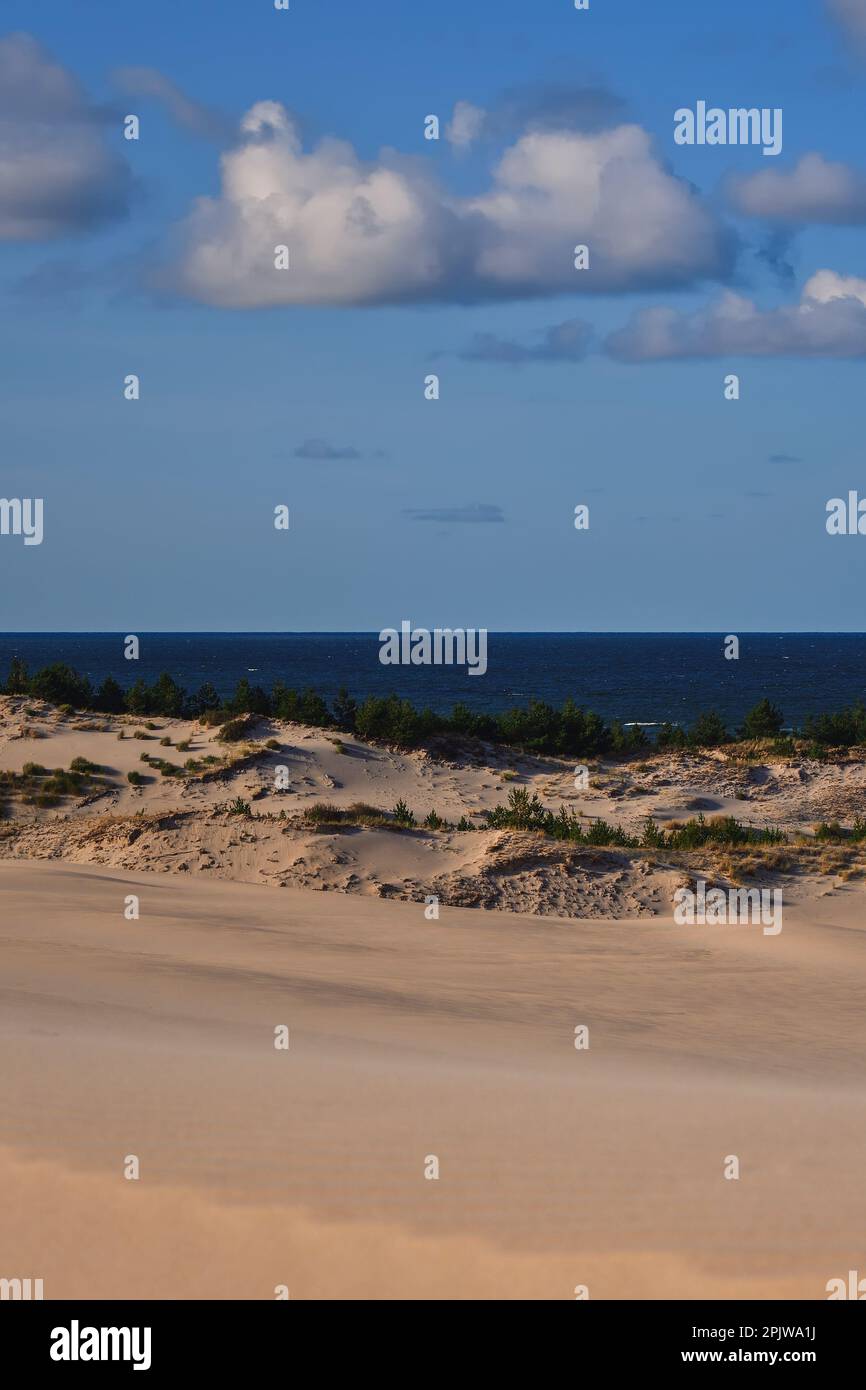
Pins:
<point x="705" y="514"/>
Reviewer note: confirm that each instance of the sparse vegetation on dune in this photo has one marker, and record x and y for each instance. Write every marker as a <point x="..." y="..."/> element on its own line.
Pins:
<point x="569" y="731"/>
<point x="324" y="814"/>
<point x="525" y="812"/>
<point x="676" y="770"/>
<point x="45" y="787"/>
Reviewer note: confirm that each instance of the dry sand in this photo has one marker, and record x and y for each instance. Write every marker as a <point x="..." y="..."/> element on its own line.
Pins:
<point x="412" y="1038"/>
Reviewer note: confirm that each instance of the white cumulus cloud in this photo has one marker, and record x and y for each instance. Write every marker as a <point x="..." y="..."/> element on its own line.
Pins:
<point x="385" y="232"/>
<point x="829" y="320"/>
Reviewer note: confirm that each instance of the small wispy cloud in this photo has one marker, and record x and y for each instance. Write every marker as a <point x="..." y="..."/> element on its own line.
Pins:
<point x="816" y="190"/>
<point x="477" y="512"/>
<point x="562" y="342"/>
<point x="323" y="452"/>
<point x="191" y="115"/>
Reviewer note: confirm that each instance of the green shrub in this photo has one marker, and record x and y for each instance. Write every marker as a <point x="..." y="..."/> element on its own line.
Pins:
<point x="831" y="830"/>
<point x="235" y="730"/>
<point x="653" y="837"/>
<point x="83" y="765"/>
<point x="783" y="748"/>
<point x="211" y="717"/>
<point x="708" y="731"/>
<point x="525" y="812"/>
<point x="764" y="720"/>
<point x="844" y="729"/>
<point x="65" y="783"/>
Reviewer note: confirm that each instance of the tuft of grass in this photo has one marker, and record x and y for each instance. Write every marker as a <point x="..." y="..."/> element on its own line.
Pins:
<point x="360" y="813"/>
<point x="84" y="765"/>
<point x="65" y="783"/>
<point x="168" y="769"/>
<point x="234" y="730"/>
<point x="322" y="812"/>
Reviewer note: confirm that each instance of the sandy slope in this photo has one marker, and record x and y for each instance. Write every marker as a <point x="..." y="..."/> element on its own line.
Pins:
<point x="788" y="793"/>
<point x="411" y="1038"/>
<point x="185" y="825"/>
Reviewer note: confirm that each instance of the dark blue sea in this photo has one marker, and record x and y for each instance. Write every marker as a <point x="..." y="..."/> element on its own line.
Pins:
<point x="641" y="678"/>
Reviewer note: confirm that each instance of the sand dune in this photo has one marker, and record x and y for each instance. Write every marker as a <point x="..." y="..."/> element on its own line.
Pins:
<point x="412" y="1038"/>
<point x="185" y="824"/>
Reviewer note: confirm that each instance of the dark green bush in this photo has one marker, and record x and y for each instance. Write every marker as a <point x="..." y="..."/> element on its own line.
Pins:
<point x="764" y="720"/>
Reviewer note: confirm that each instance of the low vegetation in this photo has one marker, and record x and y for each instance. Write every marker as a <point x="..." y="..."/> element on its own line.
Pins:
<point x="569" y="731"/>
<point x="45" y="787"/>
